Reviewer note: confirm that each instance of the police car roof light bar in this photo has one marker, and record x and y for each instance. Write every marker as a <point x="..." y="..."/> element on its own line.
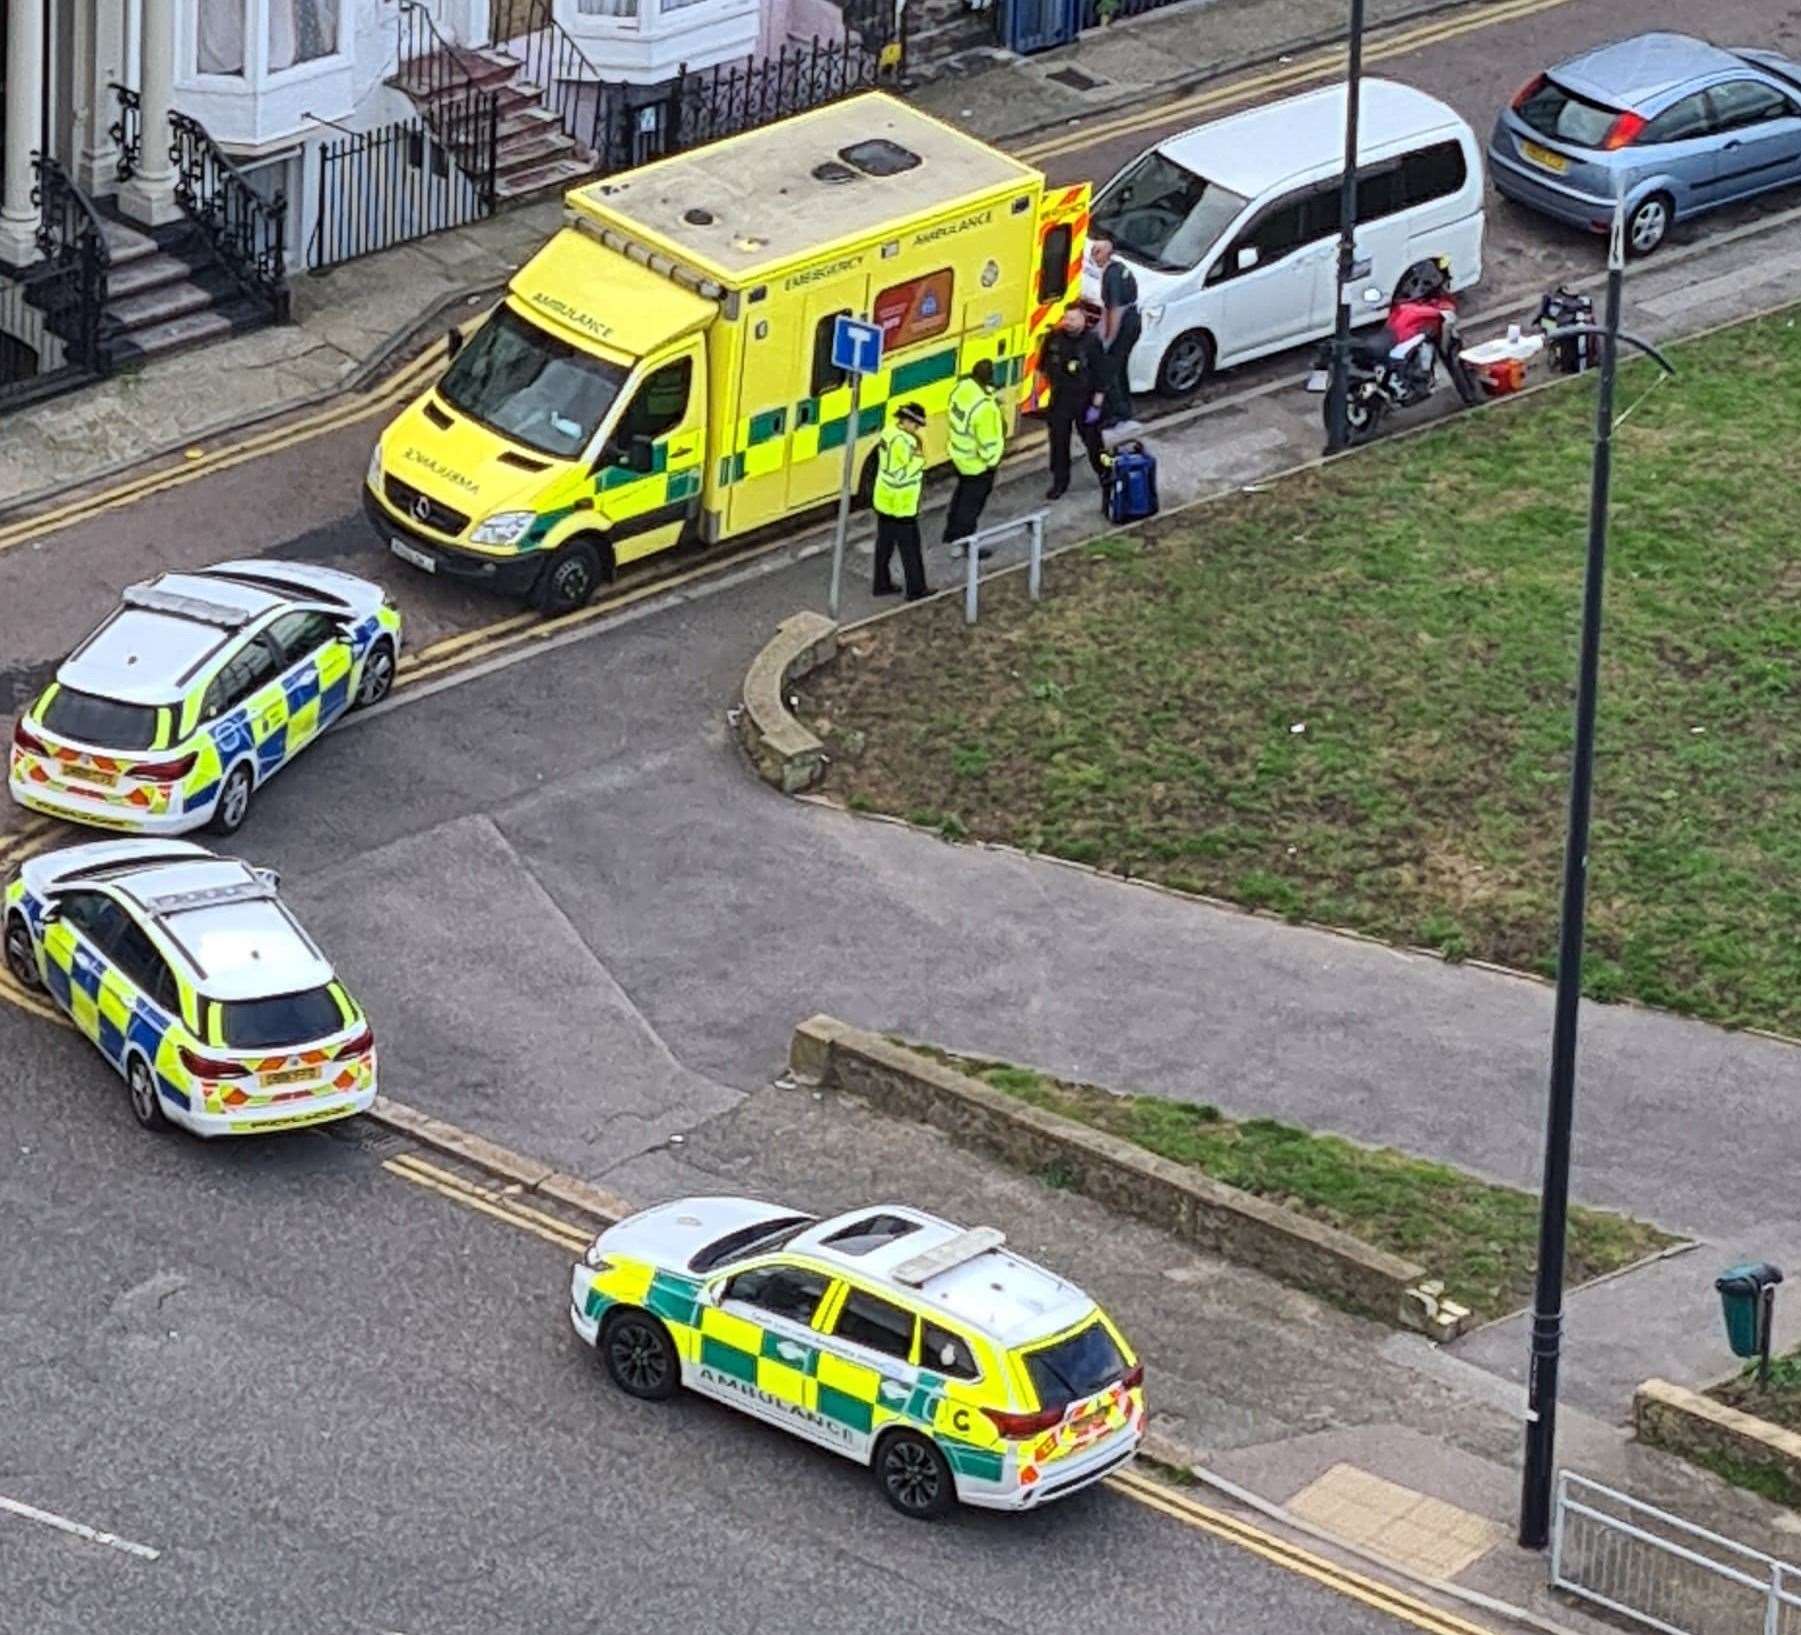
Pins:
<point x="239" y="891"/>
<point x="965" y="1246"/>
<point x="155" y="600"/>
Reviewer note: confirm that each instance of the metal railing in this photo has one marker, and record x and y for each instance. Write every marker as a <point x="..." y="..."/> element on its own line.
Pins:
<point x="247" y="232"/>
<point x="1664" y="1572"/>
<point x="462" y="111"/>
<point x="1034" y="526"/>
<point x="127" y="131"/>
<point x="71" y="240"/>
<point x="551" y="61"/>
<point x="404" y="181"/>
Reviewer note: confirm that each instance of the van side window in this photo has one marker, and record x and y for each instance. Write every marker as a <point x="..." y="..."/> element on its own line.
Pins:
<point x="826" y="378"/>
<point x="1379" y="192"/>
<point x="1433" y="173"/>
<point x="1053" y="266"/>
<point x="660" y="406"/>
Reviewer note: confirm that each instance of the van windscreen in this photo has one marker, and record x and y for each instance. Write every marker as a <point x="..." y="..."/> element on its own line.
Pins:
<point x="1165" y="215"/>
<point x="527" y="384"/>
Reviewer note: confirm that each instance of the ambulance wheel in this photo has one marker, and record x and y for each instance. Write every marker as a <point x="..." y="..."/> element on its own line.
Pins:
<point x="639" y="1355"/>
<point x="571" y="579"/>
<point x="914" y="1476"/>
<point x="21" y="957"/>
<point x="1187" y="364"/>
<point x="233" y="805"/>
<point x="140" y="1088"/>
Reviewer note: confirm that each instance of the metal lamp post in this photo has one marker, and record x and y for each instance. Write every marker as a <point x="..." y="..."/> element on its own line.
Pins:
<point x="1338" y="433"/>
<point x="1547" y="1307"/>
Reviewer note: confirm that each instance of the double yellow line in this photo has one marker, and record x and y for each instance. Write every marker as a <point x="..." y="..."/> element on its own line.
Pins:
<point x="503" y="1204"/>
<point x="1327" y="64"/>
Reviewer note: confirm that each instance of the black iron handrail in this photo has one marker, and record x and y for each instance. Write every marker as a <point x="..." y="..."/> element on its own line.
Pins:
<point x="69" y="235"/>
<point x="554" y="64"/>
<point x="127" y="131"/>
<point x="247" y="232"/>
<point x="462" y="113"/>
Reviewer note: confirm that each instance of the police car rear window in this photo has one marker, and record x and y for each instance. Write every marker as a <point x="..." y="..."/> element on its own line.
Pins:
<point x="1075" y="1367"/>
<point x="287" y="1019"/>
<point x="103" y="722"/>
<point x="761" y="1239"/>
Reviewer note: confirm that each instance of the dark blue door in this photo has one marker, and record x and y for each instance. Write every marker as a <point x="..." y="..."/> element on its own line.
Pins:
<point x="1037" y="25"/>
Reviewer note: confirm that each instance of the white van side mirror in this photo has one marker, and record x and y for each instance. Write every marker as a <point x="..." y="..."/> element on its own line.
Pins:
<point x="1247" y="257"/>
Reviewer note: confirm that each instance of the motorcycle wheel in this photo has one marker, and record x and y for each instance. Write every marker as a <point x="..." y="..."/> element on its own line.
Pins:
<point x="1364" y="412"/>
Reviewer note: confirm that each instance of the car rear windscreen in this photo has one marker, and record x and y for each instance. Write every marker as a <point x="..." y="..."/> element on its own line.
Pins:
<point x="1075" y="1367"/>
<point x="1565" y="117"/>
<point x="103" y="722"/>
<point x="287" y="1019"/>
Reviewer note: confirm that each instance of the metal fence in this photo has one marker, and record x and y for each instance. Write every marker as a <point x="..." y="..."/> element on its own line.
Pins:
<point x="1662" y="1571"/>
<point x="972" y="577"/>
<point x="51" y="314"/>
<point x="402" y="181"/>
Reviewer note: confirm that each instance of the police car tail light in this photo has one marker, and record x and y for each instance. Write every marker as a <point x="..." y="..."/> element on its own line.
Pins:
<point x="28" y="741"/>
<point x="1021" y="1427"/>
<point x="360" y="1045"/>
<point x="211" y="1067"/>
<point x="163" y="771"/>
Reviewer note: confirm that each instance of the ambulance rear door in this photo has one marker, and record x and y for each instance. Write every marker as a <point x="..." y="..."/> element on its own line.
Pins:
<point x="1062" y="241"/>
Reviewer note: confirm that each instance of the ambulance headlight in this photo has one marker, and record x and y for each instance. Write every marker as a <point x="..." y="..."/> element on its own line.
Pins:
<point x="503" y="528"/>
<point x="373" y="476"/>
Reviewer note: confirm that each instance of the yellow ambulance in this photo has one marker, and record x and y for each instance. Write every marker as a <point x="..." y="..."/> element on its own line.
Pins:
<point x="662" y="369"/>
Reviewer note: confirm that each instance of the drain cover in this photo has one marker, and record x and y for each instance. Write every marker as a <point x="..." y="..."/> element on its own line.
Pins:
<point x="1075" y="79"/>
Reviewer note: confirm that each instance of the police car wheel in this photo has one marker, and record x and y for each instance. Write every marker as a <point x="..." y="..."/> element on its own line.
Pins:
<point x="639" y="1356"/>
<point x="914" y="1477"/>
<point x="571" y="579"/>
<point x="378" y="676"/>
<point x="21" y="957"/>
<point x="234" y="803"/>
<point x="1186" y="365"/>
<point x="140" y="1087"/>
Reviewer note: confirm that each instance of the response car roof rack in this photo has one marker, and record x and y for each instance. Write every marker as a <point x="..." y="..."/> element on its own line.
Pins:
<point x="153" y="599"/>
<point x="965" y="1246"/>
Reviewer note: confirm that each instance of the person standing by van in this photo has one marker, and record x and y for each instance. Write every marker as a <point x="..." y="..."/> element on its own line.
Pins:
<point x="978" y="435"/>
<point x="900" y="474"/>
<point x="1120" y="325"/>
<point x="1075" y="374"/>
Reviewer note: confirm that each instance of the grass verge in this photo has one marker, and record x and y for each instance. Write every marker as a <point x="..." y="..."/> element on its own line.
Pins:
<point x="1346" y="697"/>
<point x="1779" y="1402"/>
<point x="1482" y="1239"/>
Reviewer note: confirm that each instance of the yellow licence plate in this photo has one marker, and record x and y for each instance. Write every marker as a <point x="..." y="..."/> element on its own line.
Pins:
<point x="288" y="1075"/>
<point x="1545" y="157"/>
<point x="88" y="774"/>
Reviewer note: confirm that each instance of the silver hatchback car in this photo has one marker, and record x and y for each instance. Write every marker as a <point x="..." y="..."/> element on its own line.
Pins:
<point x="1673" y="125"/>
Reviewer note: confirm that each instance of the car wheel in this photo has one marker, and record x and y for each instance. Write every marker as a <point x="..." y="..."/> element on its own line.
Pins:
<point x="1649" y="224"/>
<point x="914" y="1476"/>
<point x="21" y="954"/>
<point x="378" y="676"/>
<point x="571" y="579"/>
<point x="140" y="1089"/>
<point x="639" y="1356"/>
<point x="1186" y="365"/>
<point x="234" y="802"/>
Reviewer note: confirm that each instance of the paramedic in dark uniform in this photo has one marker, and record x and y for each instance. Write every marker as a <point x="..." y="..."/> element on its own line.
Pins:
<point x="1075" y="375"/>
<point x="1120" y="325"/>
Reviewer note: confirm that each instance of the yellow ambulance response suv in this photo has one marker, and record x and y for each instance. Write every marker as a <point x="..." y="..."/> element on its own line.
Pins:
<point x="662" y="368"/>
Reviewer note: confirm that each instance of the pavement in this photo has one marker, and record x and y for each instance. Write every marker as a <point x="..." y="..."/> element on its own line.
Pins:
<point x="584" y="929"/>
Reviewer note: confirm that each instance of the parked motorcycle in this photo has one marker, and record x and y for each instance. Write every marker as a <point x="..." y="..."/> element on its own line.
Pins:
<point x="1399" y="366"/>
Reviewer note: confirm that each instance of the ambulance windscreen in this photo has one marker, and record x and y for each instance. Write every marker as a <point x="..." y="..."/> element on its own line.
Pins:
<point x="526" y="383"/>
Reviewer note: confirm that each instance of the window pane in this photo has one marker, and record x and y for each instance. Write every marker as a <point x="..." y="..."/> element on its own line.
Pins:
<point x="1278" y="232"/>
<point x="660" y="405"/>
<point x="301" y="31"/>
<point x="1075" y="1367"/>
<point x="136" y="956"/>
<point x="100" y="721"/>
<point x="787" y="1291"/>
<point x="1053" y="266"/>
<point x="1433" y="173"/>
<point x="826" y="378"/>
<point x="868" y="1321"/>
<point x="221" y="37"/>
<point x="526" y="383"/>
<point x="1743" y="102"/>
<point x="914" y="311"/>
<point x="607" y="8"/>
<point x="1681" y="122"/>
<point x="1379" y="193"/>
<point x="1160" y="213"/>
<point x="944" y="1352"/>
<point x="289" y="1019"/>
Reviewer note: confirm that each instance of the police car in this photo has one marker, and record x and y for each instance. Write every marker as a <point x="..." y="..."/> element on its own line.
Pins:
<point x="952" y="1367"/>
<point x="198" y="688"/>
<point x="194" y="981"/>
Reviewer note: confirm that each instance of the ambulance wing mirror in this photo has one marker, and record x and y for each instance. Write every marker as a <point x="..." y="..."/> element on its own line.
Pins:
<point x="453" y="342"/>
<point x="638" y="455"/>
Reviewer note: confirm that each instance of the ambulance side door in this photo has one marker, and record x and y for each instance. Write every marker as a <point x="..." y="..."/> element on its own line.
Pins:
<point x="822" y="416"/>
<point x="866" y="1371"/>
<point x="647" y="473"/>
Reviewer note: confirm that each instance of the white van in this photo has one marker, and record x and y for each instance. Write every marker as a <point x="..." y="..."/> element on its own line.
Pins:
<point x="1231" y="228"/>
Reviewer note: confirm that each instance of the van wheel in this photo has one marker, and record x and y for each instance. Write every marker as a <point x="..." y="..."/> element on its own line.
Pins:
<point x="571" y="579"/>
<point x="233" y="805"/>
<point x="1422" y="279"/>
<point x="914" y="1476"/>
<point x="140" y="1087"/>
<point x="639" y="1356"/>
<point x="1187" y="364"/>
<point x="1649" y="224"/>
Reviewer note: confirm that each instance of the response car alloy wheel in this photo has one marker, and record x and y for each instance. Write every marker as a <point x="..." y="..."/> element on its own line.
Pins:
<point x="378" y="676"/>
<point x="21" y="960"/>
<point x="234" y="803"/>
<point x="914" y="1477"/>
<point x="141" y="1087"/>
<point x="640" y="1356"/>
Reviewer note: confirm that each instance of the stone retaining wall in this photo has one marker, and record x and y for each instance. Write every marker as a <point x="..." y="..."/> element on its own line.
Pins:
<point x="783" y="751"/>
<point x="1685" y="1422"/>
